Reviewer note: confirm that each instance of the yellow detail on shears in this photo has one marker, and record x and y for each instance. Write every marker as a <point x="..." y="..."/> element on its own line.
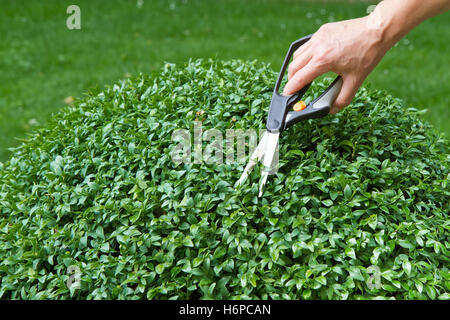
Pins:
<point x="299" y="106"/>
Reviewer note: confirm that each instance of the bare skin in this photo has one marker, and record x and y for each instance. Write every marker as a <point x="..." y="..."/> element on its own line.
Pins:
<point x="353" y="48"/>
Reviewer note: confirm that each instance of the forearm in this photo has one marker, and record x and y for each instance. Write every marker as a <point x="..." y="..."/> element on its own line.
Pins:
<point x="393" y="19"/>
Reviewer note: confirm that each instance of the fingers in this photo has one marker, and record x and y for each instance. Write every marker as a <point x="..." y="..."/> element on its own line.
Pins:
<point x="302" y="49"/>
<point x="301" y="57"/>
<point x="304" y="76"/>
<point x="345" y="97"/>
<point x="298" y="63"/>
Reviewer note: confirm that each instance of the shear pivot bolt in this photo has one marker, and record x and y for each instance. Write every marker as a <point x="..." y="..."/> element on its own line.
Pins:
<point x="299" y="106"/>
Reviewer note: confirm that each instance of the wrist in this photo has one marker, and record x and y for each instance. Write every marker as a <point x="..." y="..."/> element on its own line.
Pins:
<point x="382" y="25"/>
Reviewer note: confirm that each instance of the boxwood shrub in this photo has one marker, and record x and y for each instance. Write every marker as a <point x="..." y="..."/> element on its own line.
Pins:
<point x="358" y="208"/>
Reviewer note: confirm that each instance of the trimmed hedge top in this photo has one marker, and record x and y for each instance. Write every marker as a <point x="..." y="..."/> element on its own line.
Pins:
<point x="358" y="209"/>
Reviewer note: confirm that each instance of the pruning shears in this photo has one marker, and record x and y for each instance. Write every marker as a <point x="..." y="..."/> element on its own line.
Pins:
<point x="280" y="117"/>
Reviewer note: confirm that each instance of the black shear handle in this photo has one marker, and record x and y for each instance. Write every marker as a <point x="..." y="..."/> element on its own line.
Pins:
<point x="279" y="118"/>
<point x="294" y="46"/>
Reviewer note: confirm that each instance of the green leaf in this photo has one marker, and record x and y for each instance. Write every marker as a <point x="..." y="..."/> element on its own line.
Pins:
<point x="160" y="268"/>
<point x="347" y="192"/>
<point x="407" y="267"/>
<point x="187" y="241"/>
<point x="131" y="147"/>
<point x="327" y="202"/>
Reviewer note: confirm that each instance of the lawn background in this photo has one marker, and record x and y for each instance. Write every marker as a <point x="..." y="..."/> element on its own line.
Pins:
<point x="42" y="62"/>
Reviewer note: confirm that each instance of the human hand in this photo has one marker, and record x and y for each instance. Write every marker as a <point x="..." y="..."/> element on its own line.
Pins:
<point x="350" y="48"/>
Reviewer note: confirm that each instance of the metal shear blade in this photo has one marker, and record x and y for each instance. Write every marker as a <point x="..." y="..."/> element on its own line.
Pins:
<point x="264" y="153"/>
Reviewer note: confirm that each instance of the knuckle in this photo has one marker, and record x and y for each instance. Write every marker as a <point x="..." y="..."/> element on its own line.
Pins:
<point x="345" y="101"/>
<point x="339" y="103"/>
<point x="321" y="60"/>
<point x="325" y="27"/>
<point x="297" y="78"/>
<point x="324" y="56"/>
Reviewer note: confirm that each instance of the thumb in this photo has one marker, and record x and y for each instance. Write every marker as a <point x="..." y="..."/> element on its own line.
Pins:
<point x="349" y="88"/>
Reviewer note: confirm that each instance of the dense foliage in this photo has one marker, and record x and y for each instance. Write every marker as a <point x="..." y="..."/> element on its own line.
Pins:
<point x="97" y="189"/>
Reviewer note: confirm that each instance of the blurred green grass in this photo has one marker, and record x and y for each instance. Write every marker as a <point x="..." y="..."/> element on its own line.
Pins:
<point x="43" y="62"/>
